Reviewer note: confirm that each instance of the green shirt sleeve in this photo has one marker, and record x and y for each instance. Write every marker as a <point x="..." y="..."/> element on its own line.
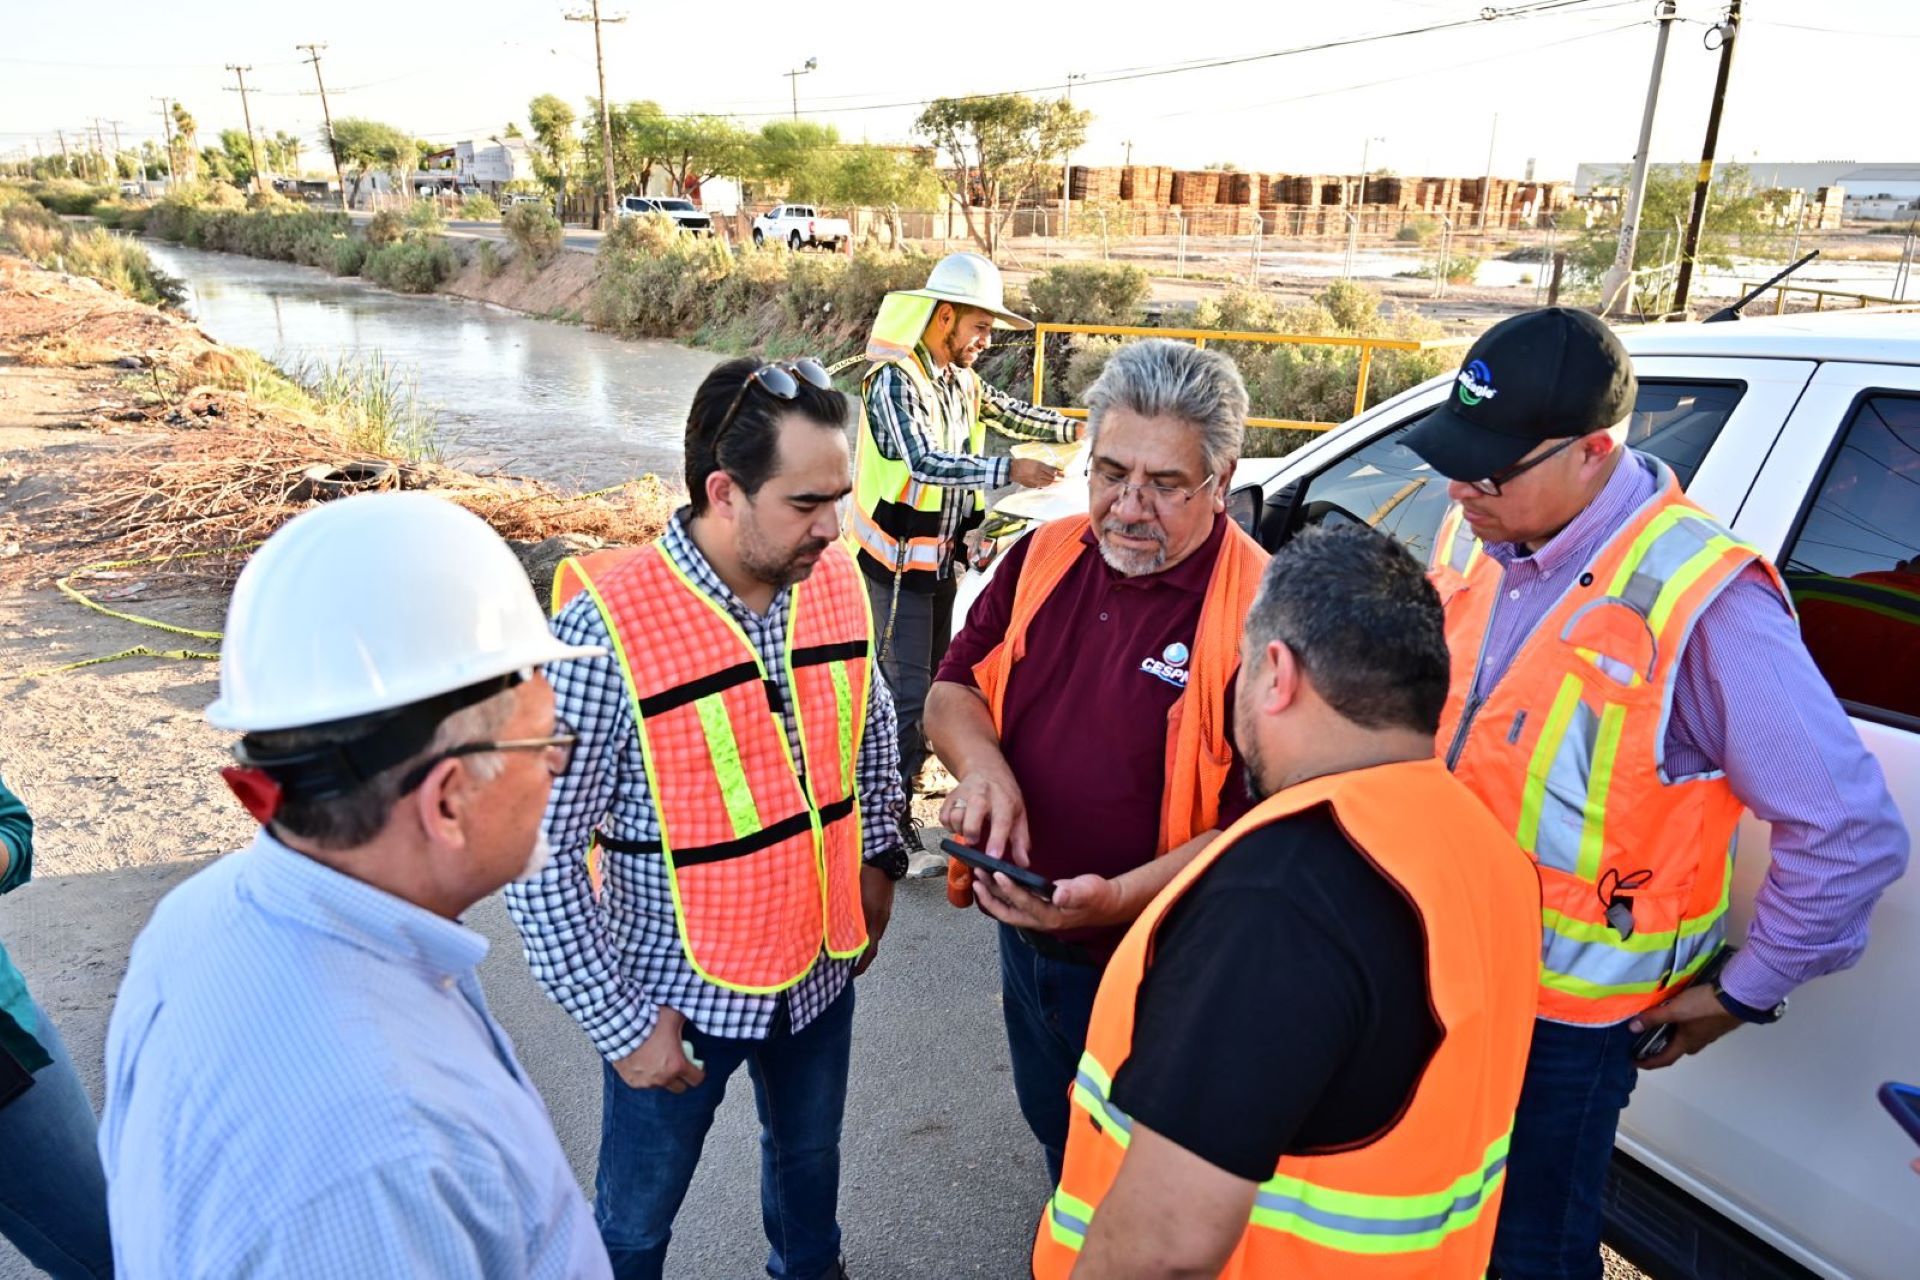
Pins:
<point x="16" y="833"/>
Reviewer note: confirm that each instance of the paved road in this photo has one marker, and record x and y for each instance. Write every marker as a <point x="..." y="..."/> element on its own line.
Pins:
<point x="940" y="1175"/>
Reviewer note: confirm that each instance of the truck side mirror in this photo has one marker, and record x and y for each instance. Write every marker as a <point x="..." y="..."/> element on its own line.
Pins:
<point x="1243" y="508"/>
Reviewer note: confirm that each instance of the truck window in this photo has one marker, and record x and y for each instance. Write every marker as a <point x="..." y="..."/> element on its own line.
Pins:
<point x="1853" y="566"/>
<point x="1385" y="484"/>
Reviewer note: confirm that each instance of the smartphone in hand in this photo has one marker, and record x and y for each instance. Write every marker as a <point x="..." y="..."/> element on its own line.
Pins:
<point x="1654" y="1039"/>
<point x="1031" y="881"/>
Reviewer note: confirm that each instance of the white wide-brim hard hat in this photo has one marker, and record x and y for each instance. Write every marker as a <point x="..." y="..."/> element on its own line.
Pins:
<point x="370" y="604"/>
<point x="969" y="280"/>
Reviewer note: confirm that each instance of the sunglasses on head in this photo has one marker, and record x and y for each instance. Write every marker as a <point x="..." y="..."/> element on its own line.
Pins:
<point x="780" y="379"/>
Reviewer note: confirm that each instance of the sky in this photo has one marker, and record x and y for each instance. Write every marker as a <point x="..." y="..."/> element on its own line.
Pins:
<point x="1812" y="79"/>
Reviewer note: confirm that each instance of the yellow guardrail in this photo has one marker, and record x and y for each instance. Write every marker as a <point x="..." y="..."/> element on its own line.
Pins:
<point x="1201" y="337"/>
<point x="1820" y="296"/>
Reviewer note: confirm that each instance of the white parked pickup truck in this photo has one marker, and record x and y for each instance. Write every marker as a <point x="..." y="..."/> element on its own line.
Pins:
<point x="1767" y="1154"/>
<point x="800" y="225"/>
<point x="684" y="213"/>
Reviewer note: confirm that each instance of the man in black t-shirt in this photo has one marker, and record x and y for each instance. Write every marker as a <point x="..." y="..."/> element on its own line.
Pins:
<point x="1305" y="1057"/>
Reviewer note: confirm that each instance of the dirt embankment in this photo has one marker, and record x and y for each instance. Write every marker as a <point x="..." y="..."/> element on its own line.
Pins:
<point x="558" y="290"/>
<point x="127" y="435"/>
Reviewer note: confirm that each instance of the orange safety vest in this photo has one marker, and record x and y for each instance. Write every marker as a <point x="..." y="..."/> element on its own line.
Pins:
<point x="762" y="854"/>
<point x="1199" y="756"/>
<point x="1568" y="750"/>
<point x="1421" y="1198"/>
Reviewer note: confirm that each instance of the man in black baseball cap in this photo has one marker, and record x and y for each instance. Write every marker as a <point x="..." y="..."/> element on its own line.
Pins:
<point x="1628" y="677"/>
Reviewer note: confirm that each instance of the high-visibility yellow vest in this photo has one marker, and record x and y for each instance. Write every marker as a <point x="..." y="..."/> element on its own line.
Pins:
<point x="1568" y="749"/>
<point x="896" y="519"/>
<point x="1420" y="1199"/>
<point x="762" y="855"/>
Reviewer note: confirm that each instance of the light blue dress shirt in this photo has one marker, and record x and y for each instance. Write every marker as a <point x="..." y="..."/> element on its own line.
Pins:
<point x="303" y="1080"/>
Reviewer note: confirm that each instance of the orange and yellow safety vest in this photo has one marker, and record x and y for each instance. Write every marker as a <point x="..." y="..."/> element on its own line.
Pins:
<point x="1420" y="1199"/>
<point x="762" y="852"/>
<point x="1568" y="750"/>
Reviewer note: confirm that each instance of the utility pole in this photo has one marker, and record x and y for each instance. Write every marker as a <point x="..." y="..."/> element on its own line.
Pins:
<point x="1613" y="287"/>
<point x="793" y="83"/>
<point x="1359" y="200"/>
<point x="1066" y="168"/>
<point x="1486" y="176"/>
<point x="114" y="168"/>
<point x="606" y="108"/>
<point x="1129" y="147"/>
<point x="66" y="164"/>
<point x="166" y="130"/>
<point x="313" y="56"/>
<point x="1729" y="31"/>
<point x="253" y="148"/>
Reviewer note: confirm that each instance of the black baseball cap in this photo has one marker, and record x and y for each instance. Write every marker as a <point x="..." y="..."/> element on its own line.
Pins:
<point x="1540" y="375"/>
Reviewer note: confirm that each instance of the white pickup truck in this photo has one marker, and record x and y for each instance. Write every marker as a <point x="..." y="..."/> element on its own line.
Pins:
<point x="800" y="225"/>
<point x="685" y="214"/>
<point x="1767" y="1155"/>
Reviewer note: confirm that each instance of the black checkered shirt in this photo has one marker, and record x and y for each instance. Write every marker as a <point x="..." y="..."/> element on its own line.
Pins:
<point x="612" y="963"/>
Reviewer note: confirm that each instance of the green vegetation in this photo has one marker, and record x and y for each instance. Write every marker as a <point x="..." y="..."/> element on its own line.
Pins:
<point x="479" y="209"/>
<point x="1735" y="211"/>
<point x="413" y="265"/>
<point x="491" y="263"/>
<point x="1089" y="293"/>
<point x="535" y="232"/>
<point x="424" y="217"/>
<point x="412" y="260"/>
<point x="1005" y="144"/>
<point x="377" y="406"/>
<point x="120" y="263"/>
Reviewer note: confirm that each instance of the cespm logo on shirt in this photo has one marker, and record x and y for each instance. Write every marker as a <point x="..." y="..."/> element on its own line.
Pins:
<point x="1170" y="666"/>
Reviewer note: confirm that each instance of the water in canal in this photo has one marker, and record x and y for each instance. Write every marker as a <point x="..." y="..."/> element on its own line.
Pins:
<point x="557" y="402"/>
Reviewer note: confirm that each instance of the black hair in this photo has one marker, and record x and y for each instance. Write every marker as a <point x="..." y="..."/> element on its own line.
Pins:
<point x="1363" y="622"/>
<point x="750" y="444"/>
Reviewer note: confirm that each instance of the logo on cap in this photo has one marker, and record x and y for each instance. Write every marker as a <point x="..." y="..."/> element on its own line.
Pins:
<point x="1476" y="383"/>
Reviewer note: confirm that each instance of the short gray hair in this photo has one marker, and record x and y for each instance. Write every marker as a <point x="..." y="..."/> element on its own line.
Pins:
<point x="1161" y="378"/>
<point x="351" y="820"/>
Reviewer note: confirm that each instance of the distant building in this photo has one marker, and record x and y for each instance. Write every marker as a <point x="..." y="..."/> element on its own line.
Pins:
<point x="493" y="163"/>
<point x="1898" y="178"/>
<point x="1881" y="208"/>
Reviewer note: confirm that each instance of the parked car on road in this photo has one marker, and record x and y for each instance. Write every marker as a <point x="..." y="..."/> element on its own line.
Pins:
<point x="1767" y="1155"/>
<point x="800" y="225"/>
<point x="684" y="214"/>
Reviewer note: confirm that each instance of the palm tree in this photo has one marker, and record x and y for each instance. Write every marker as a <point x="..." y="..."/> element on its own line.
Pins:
<point x="186" y="136"/>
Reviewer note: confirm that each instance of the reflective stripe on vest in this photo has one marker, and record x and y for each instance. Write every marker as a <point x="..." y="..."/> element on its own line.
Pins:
<point x="762" y="852"/>
<point x="896" y="519"/>
<point x="1568" y="749"/>
<point x="1419" y="1199"/>
<point x="1348" y="1221"/>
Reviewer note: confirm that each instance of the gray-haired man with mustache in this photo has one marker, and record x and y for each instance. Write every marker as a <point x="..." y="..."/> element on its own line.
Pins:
<point x="1085" y="706"/>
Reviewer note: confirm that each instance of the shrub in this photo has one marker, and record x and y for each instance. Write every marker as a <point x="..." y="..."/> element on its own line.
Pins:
<point x="491" y="263"/>
<point x="479" y="209"/>
<point x="224" y="195"/>
<point x="71" y="197"/>
<point x="386" y="228"/>
<point x="116" y="261"/>
<point x="1089" y="293"/>
<point x="664" y="294"/>
<point x="537" y="233"/>
<point x="348" y="256"/>
<point x="410" y="266"/>
<point x="425" y="217"/>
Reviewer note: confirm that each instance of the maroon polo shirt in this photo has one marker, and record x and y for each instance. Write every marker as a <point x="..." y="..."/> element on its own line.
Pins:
<point x="1085" y="714"/>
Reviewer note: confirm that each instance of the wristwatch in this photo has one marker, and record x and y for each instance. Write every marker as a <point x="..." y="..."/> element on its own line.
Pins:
<point x="1746" y="1012"/>
<point x="892" y="863"/>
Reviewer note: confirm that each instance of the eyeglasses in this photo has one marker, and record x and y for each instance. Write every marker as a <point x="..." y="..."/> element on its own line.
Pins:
<point x="1161" y="497"/>
<point x="559" y="749"/>
<point x="780" y="379"/>
<point x="1491" y="485"/>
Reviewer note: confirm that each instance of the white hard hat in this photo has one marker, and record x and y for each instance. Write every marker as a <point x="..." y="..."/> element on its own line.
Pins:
<point x="370" y="604"/>
<point x="969" y="280"/>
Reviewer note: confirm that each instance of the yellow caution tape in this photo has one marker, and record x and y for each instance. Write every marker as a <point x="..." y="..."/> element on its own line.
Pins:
<point x="66" y="588"/>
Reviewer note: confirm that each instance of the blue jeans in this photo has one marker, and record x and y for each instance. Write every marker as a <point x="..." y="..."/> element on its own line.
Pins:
<point x="53" y="1196"/>
<point x="1578" y="1082"/>
<point x="1047" y="1004"/>
<point x="650" y="1143"/>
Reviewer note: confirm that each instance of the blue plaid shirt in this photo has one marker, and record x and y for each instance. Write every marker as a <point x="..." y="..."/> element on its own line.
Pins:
<point x="614" y="962"/>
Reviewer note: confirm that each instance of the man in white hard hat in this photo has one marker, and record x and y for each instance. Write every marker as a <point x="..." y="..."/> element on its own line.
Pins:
<point x="920" y="474"/>
<point x="303" y="1077"/>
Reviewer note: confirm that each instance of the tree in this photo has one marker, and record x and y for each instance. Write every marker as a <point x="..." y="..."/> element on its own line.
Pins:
<point x="885" y="178"/>
<point x="804" y="157"/>
<point x="554" y="148"/>
<point x="238" y="153"/>
<point x="186" y="140"/>
<point x="1734" y="211"/>
<point x="640" y="131"/>
<point x="282" y="153"/>
<point x="361" y="146"/>
<point x="999" y="147"/>
<point x="699" y="148"/>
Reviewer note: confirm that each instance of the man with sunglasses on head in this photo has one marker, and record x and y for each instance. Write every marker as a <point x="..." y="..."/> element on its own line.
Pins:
<point x="726" y="845"/>
<point x="1086" y="706"/>
<point x="302" y="1075"/>
<point x="922" y="474"/>
<point x="1627" y="679"/>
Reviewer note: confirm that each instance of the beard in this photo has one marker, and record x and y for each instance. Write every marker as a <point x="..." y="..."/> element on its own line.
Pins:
<point x="1131" y="562"/>
<point x="538" y="857"/>
<point x="778" y="568"/>
<point x="1252" y="765"/>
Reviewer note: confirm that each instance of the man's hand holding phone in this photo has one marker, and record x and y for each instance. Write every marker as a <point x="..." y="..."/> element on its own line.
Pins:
<point x="1014" y="895"/>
